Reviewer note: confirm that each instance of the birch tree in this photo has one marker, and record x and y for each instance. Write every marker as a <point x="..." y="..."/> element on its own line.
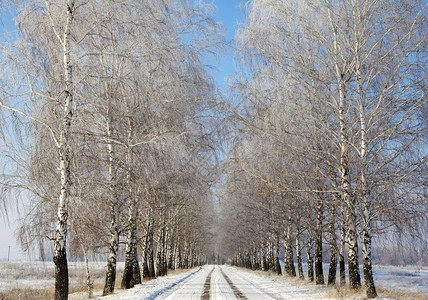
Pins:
<point x="319" y="48"/>
<point x="58" y="20"/>
<point x="379" y="72"/>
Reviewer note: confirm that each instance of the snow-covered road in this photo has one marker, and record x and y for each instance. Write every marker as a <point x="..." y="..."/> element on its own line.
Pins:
<point x="393" y="282"/>
<point x="218" y="282"/>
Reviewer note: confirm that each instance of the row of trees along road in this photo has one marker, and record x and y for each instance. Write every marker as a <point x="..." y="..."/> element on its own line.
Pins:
<point x="115" y="112"/>
<point x="333" y="134"/>
<point x="111" y="127"/>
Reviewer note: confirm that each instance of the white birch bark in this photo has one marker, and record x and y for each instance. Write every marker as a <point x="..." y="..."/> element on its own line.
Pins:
<point x="299" y="257"/>
<point x="310" y="259"/>
<point x="186" y="255"/>
<point x="60" y="243"/>
<point x="150" y="246"/>
<point x="269" y="255"/>
<point x="131" y="276"/>
<point x="366" y="232"/>
<point x="354" y="273"/>
<point x="319" y="274"/>
<point x="288" y="247"/>
<point x="114" y="217"/>
<point x="255" y="259"/>
<point x="332" y="270"/>
<point x="342" y="272"/>
<point x="89" y="282"/>
<point x="263" y="258"/>
<point x="277" y="264"/>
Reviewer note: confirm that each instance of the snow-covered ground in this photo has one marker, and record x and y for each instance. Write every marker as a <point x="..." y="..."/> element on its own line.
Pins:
<point x="226" y="283"/>
<point x="409" y="279"/>
<point x="394" y="280"/>
<point x="231" y="283"/>
<point x="209" y="282"/>
<point x="36" y="280"/>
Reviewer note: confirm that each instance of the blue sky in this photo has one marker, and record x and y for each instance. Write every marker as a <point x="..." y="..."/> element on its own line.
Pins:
<point x="7" y="229"/>
<point x="228" y="13"/>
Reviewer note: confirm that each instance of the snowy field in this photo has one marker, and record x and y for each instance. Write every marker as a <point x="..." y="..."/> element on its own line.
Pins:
<point x="35" y="280"/>
<point x="402" y="280"/>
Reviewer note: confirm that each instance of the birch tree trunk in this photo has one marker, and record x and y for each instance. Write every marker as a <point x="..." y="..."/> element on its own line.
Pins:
<point x="179" y="256"/>
<point x="367" y="237"/>
<point x="342" y="272"/>
<point x="89" y="282"/>
<point x="352" y="234"/>
<point x="310" y="260"/>
<point x="114" y="219"/>
<point x="288" y="250"/>
<point x="332" y="269"/>
<point x="269" y="255"/>
<point x="277" y="264"/>
<point x="367" y="213"/>
<point x="354" y="272"/>
<point x="130" y="248"/>
<point x="159" y="255"/>
<point x="255" y="257"/>
<point x="319" y="274"/>
<point x="113" y="249"/>
<point x="136" y="266"/>
<point x="191" y="255"/>
<point x="144" y="256"/>
<point x="248" y="264"/>
<point x="60" y="243"/>
<point x="150" y="250"/>
<point x="165" y="251"/>
<point x="186" y="255"/>
<point x="171" y="256"/>
<point x="299" y="257"/>
<point x="131" y="272"/>
<point x="263" y="258"/>
<point x="172" y="246"/>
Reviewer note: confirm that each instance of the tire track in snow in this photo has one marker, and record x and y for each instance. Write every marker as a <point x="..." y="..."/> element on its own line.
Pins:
<point x="169" y="287"/>
<point x="207" y="286"/>
<point x="235" y="290"/>
<point x="256" y="285"/>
